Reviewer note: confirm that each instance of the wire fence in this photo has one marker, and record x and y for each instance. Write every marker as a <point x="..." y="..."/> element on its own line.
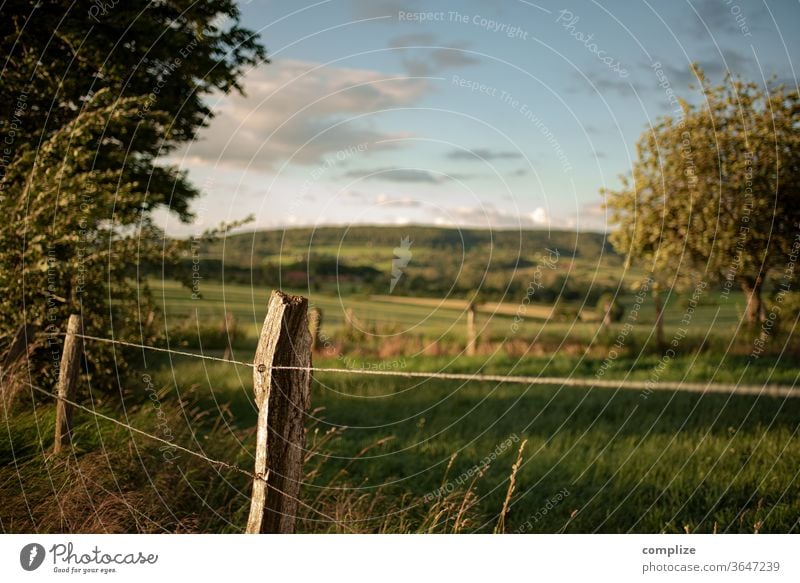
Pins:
<point x="766" y="389"/>
<point x="196" y="454"/>
<point x="773" y="390"/>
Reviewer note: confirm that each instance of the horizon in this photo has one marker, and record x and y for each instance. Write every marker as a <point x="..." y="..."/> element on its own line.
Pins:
<point x="244" y="231"/>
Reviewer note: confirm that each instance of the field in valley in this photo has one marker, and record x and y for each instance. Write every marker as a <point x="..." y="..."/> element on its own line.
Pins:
<point x="432" y="455"/>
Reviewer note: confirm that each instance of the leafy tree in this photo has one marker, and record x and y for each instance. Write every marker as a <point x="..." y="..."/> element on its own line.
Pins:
<point x="609" y="307"/>
<point x="92" y="96"/>
<point x="714" y="191"/>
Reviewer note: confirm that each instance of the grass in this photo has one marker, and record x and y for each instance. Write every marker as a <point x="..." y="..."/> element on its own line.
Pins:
<point x="427" y="455"/>
<point x="407" y="456"/>
<point x="389" y="316"/>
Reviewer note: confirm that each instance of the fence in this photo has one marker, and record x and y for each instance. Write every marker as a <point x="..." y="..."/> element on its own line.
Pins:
<point x="282" y="376"/>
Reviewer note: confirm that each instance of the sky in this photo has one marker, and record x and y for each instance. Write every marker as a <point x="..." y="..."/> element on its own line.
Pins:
<point x="507" y="114"/>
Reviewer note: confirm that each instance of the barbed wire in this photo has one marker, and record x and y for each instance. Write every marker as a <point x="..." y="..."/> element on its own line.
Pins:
<point x="701" y="387"/>
<point x="212" y="461"/>
<point x="766" y="389"/>
<point x="772" y="390"/>
<point x="158" y="349"/>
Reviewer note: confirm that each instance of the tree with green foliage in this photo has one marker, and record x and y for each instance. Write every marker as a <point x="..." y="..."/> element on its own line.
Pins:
<point x="610" y="309"/>
<point x="93" y="95"/>
<point x="713" y="193"/>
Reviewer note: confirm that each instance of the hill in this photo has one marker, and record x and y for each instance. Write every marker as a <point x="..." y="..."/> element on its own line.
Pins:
<point x="436" y="261"/>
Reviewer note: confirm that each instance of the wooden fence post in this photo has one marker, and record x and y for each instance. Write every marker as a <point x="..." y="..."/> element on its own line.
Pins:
<point x="67" y="379"/>
<point x="282" y="397"/>
<point x="348" y="322"/>
<point x="315" y="325"/>
<point x="472" y="336"/>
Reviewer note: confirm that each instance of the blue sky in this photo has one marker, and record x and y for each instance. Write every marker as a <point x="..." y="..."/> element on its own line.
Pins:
<point x="500" y="114"/>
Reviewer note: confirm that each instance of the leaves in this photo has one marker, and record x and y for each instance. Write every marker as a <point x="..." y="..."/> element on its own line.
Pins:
<point x="714" y="194"/>
<point x="95" y="98"/>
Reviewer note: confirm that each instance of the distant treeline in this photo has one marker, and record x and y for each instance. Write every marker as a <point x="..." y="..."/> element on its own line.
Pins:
<point x="239" y="248"/>
<point x="440" y="262"/>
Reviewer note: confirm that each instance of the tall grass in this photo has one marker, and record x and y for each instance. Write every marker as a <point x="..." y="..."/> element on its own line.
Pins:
<point x="402" y="456"/>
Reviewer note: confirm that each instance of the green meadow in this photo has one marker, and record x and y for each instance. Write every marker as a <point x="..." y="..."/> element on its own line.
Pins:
<point x="392" y="454"/>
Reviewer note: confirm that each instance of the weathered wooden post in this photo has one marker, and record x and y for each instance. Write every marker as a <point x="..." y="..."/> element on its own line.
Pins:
<point x="67" y="379"/>
<point x="315" y="325"/>
<point x="348" y="322"/>
<point x="282" y="397"/>
<point x="472" y="336"/>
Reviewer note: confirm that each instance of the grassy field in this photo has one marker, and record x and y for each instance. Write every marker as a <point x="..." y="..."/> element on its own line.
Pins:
<point x="427" y="455"/>
<point x="392" y="456"/>
<point x="430" y="317"/>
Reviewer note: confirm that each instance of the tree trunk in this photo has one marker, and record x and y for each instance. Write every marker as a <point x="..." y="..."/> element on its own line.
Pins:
<point x="659" y="306"/>
<point x="607" y="315"/>
<point x="754" y="310"/>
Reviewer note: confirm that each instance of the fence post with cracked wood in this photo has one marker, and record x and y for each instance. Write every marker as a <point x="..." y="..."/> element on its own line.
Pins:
<point x="283" y="397"/>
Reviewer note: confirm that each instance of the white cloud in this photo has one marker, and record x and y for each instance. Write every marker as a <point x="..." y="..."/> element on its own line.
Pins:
<point x="539" y="216"/>
<point x="290" y="103"/>
<point x="485" y="216"/>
